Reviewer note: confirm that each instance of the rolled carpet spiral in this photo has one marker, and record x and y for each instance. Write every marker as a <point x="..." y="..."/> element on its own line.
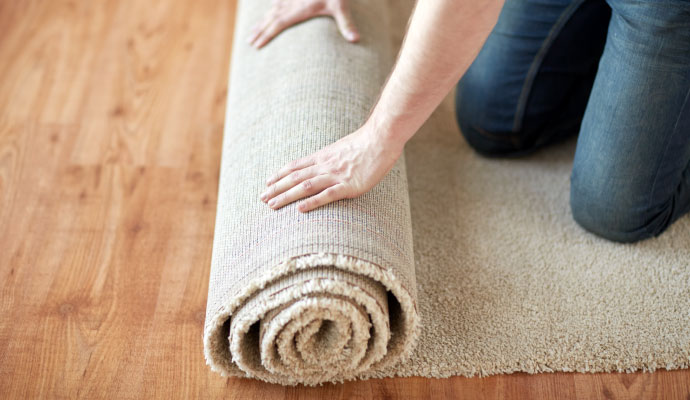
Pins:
<point x="328" y="295"/>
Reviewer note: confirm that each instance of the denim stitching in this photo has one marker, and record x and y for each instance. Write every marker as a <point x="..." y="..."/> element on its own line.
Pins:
<point x="536" y="63"/>
<point x="647" y="228"/>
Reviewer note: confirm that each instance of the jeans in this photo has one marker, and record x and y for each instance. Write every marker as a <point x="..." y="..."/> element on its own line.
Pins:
<point x="617" y="73"/>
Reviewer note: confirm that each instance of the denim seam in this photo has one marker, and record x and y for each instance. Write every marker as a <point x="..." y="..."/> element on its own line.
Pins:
<point x="538" y="59"/>
<point x="663" y="156"/>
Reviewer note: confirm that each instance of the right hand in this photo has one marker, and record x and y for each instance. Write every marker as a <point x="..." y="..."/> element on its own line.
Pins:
<point x="286" y="13"/>
<point x="344" y="169"/>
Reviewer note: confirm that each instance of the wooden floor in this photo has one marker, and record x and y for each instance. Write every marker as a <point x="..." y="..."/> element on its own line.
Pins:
<point x="111" y="116"/>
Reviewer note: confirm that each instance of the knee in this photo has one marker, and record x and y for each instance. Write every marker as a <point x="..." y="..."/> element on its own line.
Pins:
<point x="609" y="211"/>
<point x="485" y="139"/>
<point x="485" y="110"/>
<point x="486" y="143"/>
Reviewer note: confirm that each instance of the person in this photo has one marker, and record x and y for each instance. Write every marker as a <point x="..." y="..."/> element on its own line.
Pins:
<point x="528" y="73"/>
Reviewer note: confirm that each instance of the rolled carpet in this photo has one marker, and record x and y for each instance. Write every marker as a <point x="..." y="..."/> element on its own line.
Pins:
<point x="321" y="296"/>
<point x="501" y="278"/>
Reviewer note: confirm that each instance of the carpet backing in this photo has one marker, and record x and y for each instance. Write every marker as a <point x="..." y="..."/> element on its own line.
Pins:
<point x="499" y="279"/>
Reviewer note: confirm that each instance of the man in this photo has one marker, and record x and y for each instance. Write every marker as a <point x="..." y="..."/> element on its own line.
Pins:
<point x="617" y="72"/>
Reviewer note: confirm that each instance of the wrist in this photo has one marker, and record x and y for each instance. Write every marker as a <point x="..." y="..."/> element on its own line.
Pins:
<point x="388" y="128"/>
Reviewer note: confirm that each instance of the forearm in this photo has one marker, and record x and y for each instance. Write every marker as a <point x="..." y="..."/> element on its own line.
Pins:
<point x="443" y="38"/>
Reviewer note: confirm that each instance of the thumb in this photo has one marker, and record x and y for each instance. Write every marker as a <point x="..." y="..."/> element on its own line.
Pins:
<point x="345" y="24"/>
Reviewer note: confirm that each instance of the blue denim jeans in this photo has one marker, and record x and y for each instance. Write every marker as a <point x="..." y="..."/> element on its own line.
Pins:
<point x="616" y="72"/>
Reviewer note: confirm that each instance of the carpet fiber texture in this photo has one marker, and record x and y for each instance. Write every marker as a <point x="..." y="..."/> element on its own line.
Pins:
<point x="500" y="278"/>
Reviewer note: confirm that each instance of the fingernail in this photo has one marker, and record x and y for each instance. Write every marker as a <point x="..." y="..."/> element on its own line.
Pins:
<point x="351" y="35"/>
<point x="272" y="203"/>
<point x="263" y="197"/>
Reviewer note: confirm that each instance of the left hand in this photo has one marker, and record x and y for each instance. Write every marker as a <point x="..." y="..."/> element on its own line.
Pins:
<point x="286" y="13"/>
<point x="345" y="169"/>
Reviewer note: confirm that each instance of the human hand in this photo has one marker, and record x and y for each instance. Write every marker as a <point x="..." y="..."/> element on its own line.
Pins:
<point x="286" y="13"/>
<point x="347" y="168"/>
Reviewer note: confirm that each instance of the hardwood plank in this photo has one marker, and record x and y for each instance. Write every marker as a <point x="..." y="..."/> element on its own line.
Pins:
<point x="111" y="117"/>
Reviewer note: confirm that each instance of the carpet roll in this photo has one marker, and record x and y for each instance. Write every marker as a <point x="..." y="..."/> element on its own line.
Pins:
<point x="328" y="295"/>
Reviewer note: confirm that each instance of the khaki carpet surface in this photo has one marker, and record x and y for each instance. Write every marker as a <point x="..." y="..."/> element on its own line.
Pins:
<point x="457" y="264"/>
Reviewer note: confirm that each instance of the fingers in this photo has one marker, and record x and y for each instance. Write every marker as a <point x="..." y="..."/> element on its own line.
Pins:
<point x="292" y="166"/>
<point x="306" y="188"/>
<point x="289" y="181"/>
<point x="331" y="194"/>
<point x="269" y="33"/>
<point x="281" y="17"/>
<point x="258" y="29"/>
<point x="345" y="23"/>
<point x="278" y="19"/>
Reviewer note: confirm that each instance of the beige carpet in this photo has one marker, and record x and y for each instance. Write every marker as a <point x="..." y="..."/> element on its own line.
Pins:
<point x="495" y="278"/>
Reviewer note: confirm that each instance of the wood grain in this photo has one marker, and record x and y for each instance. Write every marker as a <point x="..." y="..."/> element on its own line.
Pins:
<point x="111" y="116"/>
